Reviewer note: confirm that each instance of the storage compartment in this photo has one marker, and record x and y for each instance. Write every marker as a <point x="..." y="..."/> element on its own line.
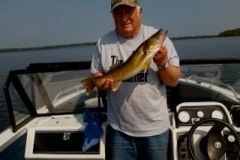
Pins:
<point x="61" y="142"/>
<point x="44" y="143"/>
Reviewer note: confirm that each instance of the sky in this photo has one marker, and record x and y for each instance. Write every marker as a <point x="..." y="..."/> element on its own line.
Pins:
<point x="36" y="23"/>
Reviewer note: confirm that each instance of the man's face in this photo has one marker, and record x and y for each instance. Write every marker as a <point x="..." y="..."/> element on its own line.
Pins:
<point x="127" y="20"/>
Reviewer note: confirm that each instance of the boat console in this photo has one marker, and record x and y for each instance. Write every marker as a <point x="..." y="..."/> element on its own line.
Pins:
<point x="204" y="130"/>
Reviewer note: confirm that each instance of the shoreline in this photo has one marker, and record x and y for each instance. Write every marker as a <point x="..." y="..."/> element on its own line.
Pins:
<point x="4" y="50"/>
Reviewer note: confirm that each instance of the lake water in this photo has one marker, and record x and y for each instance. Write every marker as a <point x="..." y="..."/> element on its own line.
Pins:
<point x="187" y="49"/>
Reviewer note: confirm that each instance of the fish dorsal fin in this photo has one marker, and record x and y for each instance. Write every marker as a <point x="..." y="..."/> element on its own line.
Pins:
<point x="116" y="85"/>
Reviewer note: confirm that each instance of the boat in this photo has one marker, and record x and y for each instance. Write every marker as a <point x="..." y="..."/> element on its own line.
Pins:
<point x="52" y="117"/>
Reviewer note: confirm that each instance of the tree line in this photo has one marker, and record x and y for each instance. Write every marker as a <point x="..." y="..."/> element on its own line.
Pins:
<point x="232" y="32"/>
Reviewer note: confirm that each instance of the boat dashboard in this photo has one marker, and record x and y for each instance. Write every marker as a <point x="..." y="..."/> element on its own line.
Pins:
<point x="47" y="106"/>
<point x="202" y="133"/>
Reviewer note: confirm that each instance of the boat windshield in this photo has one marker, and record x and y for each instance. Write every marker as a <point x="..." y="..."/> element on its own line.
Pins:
<point x="48" y="89"/>
<point x="215" y="74"/>
<point x="54" y="88"/>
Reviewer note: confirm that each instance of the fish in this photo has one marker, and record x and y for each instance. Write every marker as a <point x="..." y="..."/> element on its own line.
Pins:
<point x="138" y="61"/>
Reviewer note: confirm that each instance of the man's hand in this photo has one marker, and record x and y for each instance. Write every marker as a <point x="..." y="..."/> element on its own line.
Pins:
<point x="161" y="57"/>
<point x="104" y="83"/>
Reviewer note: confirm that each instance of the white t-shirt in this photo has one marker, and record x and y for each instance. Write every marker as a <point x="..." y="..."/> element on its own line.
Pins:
<point x="138" y="108"/>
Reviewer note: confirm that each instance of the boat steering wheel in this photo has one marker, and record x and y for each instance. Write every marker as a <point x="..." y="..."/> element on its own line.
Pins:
<point x="215" y="144"/>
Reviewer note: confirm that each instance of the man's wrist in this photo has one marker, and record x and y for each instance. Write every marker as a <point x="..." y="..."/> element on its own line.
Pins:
<point x="165" y="65"/>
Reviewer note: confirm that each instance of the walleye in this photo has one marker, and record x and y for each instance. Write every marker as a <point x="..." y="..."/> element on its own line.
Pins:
<point x="139" y="60"/>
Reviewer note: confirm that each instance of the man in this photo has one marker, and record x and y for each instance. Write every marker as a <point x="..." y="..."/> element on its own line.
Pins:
<point x="137" y="112"/>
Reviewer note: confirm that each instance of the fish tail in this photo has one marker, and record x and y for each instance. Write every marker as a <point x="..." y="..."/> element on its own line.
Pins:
<point x="88" y="84"/>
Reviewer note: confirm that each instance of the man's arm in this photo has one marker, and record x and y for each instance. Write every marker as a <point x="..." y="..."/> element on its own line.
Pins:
<point x="169" y="74"/>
